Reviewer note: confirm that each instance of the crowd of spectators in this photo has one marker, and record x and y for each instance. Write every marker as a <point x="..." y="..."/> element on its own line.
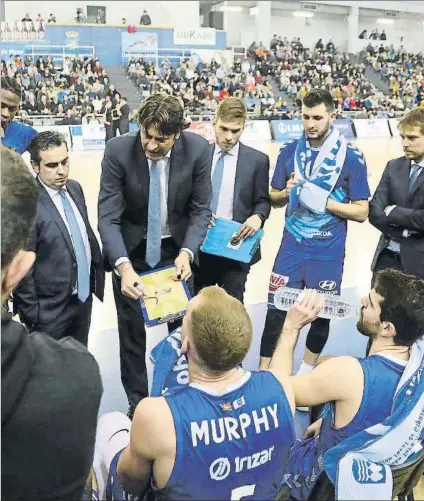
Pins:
<point x="404" y="72"/>
<point x="200" y="86"/>
<point x="77" y="90"/>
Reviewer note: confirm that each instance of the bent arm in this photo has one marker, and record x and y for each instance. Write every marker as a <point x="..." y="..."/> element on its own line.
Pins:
<point x="354" y="211"/>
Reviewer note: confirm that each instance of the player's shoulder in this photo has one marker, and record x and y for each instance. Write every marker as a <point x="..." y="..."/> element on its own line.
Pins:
<point x="254" y="152"/>
<point x="353" y="153"/>
<point x="287" y="149"/>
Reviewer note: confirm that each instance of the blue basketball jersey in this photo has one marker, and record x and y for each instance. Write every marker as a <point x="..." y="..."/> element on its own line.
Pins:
<point x="306" y="462"/>
<point x="232" y="445"/>
<point x="315" y="236"/>
<point x="17" y="137"/>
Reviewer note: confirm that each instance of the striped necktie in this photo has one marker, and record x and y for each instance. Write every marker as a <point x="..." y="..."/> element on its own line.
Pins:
<point x="153" y="248"/>
<point x="79" y="247"/>
<point x="217" y="176"/>
<point x="415" y="172"/>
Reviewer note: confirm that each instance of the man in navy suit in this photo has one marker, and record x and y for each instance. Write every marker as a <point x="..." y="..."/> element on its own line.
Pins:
<point x="155" y="192"/>
<point x="240" y="191"/>
<point x="55" y="297"/>
<point x="397" y="208"/>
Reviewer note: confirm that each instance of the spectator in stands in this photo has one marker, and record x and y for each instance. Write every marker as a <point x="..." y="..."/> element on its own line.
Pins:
<point x="363" y="35"/>
<point x="145" y="19"/>
<point x="383" y="35"/>
<point x="26" y="18"/>
<point x="124" y="20"/>
<point x="51" y="19"/>
<point x="330" y="46"/>
<point x="124" y="117"/>
<point x="40" y="19"/>
<point x="319" y="45"/>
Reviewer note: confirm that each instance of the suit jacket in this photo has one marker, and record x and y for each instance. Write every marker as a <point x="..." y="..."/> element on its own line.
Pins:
<point x="124" y="194"/>
<point x="251" y="188"/>
<point x="43" y="294"/>
<point x="408" y="214"/>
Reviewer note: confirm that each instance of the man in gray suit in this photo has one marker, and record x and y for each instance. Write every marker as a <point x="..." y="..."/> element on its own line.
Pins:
<point x="155" y="192"/>
<point x="240" y="185"/>
<point x="397" y="208"/>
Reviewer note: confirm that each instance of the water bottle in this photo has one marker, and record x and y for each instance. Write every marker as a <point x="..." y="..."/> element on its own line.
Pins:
<point x="334" y="306"/>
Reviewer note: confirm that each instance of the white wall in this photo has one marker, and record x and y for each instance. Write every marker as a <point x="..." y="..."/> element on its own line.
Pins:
<point x="322" y="25"/>
<point x="240" y="28"/>
<point x="162" y="13"/>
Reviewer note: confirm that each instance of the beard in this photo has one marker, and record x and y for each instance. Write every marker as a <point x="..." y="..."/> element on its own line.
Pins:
<point x="321" y="134"/>
<point x="368" y="329"/>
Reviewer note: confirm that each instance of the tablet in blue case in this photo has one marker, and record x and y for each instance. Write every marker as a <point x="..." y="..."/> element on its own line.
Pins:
<point x="221" y="241"/>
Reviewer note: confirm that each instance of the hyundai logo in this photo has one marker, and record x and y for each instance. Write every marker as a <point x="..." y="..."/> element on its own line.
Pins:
<point x="327" y="285"/>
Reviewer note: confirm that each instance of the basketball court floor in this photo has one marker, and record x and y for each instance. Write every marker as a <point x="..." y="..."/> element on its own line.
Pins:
<point x="361" y="243"/>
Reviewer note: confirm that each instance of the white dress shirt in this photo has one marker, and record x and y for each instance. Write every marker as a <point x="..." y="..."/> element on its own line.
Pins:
<point x="56" y="199"/>
<point x="393" y="245"/>
<point x="226" y="194"/>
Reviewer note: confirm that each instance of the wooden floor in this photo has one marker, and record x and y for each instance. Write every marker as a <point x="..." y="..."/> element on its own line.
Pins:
<point x="361" y="242"/>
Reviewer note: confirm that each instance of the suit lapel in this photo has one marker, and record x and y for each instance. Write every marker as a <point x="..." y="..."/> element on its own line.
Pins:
<point x="418" y="183"/>
<point x="402" y="178"/>
<point x="238" y="185"/>
<point x="141" y="166"/>
<point x="175" y="165"/>
<point x="48" y="203"/>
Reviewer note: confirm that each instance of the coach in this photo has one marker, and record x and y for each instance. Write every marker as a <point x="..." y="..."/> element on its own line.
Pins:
<point x="397" y="208"/>
<point x="155" y="192"/>
<point x="240" y="191"/>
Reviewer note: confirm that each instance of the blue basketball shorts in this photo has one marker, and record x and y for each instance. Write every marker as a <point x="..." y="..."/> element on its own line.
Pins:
<point x="299" y="273"/>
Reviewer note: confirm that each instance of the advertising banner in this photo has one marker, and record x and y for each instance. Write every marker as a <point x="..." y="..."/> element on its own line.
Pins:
<point x="138" y="44"/>
<point x="63" y="129"/>
<point x="393" y="124"/>
<point x="88" y="137"/>
<point x="345" y="128"/>
<point x="204" y="129"/>
<point x="284" y="130"/>
<point x="256" y="130"/>
<point x="372" y="128"/>
<point x="197" y="36"/>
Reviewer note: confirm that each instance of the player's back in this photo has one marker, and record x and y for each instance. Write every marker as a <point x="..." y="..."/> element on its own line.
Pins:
<point x="18" y="136"/>
<point x="232" y="445"/>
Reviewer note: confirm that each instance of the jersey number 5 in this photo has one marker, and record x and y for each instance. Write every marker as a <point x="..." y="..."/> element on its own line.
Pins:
<point x="241" y="492"/>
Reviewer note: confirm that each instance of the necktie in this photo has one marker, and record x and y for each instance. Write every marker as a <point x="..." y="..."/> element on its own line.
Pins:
<point x="79" y="247"/>
<point x="153" y="248"/>
<point x="414" y="176"/>
<point x="217" y="176"/>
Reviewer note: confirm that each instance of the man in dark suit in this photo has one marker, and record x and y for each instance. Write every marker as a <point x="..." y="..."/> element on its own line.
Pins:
<point x="240" y="191"/>
<point x="397" y="208"/>
<point x="55" y="296"/>
<point x="155" y="192"/>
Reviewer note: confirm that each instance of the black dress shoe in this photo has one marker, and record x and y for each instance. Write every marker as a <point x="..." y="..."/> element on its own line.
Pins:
<point x="130" y="413"/>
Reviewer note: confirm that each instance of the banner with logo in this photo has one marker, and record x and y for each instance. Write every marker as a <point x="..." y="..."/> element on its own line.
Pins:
<point x="372" y="128"/>
<point x="345" y="128"/>
<point x="284" y="130"/>
<point x="197" y="36"/>
<point x="63" y="129"/>
<point x="393" y="124"/>
<point x="204" y="129"/>
<point x="88" y="137"/>
<point x="256" y="130"/>
<point x="138" y="44"/>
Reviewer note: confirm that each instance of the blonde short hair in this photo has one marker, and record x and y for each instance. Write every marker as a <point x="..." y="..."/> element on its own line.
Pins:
<point x="230" y="109"/>
<point x="221" y="330"/>
<point x="414" y="118"/>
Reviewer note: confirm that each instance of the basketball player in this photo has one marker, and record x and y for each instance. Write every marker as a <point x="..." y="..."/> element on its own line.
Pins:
<point x="17" y="136"/>
<point x="323" y="180"/>
<point x="359" y="391"/>
<point x="228" y="433"/>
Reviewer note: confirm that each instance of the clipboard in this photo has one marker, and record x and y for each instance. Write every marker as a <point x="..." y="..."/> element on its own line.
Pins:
<point x="221" y="241"/>
<point x="167" y="300"/>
